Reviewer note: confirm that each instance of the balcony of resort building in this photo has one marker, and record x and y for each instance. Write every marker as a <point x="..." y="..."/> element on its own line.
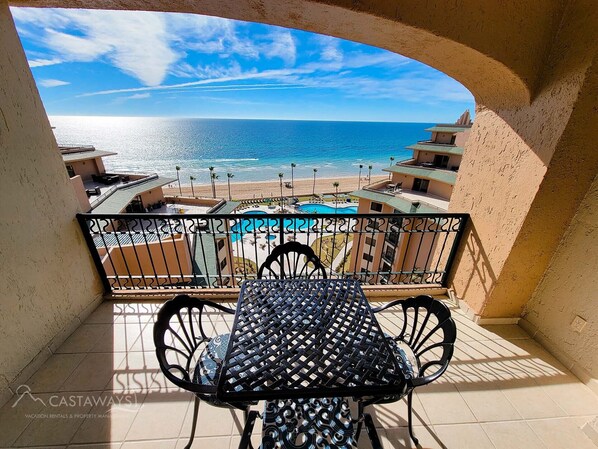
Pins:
<point x="520" y="280"/>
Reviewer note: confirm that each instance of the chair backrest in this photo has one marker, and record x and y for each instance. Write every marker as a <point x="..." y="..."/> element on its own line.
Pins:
<point x="427" y="326"/>
<point x="178" y="333"/>
<point x="292" y="260"/>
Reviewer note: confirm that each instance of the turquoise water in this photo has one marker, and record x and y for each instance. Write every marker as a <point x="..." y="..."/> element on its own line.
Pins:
<point x="324" y="209"/>
<point x="253" y="150"/>
<point x="261" y="225"/>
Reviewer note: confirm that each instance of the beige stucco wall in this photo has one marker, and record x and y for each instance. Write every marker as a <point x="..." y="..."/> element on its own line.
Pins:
<point x="164" y="262"/>
<point x="524" y="173"/>
<point x="152" y="197"/>
<point x="85" y="169"/>
<point x="48" y="279"/>
<point x="80" y="193"/>
<point x="568" y="289"/>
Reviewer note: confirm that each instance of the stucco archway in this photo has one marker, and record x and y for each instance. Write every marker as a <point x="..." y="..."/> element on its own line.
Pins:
<point x="528" y="64"/>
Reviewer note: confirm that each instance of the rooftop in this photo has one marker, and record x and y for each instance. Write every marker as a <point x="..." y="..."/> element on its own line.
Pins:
<point x="117" y="198"/>
<point x="85" y="155"/>
<point x="446" y="128"/>
<point x="434" y="174"/>
<point x="436" y="148"/>
<point x="502" y="389"/>
<point x="403" y="201"/>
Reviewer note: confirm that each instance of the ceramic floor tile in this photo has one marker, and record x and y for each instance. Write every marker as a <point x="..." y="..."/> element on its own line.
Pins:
<point x="54" y="372"/>
<point x="399" y="438"/>
<point x="93" y="373"/>
<point x="157" y="444"/>
<point x="161" y="416"/>
<point x="570" y="394"/>
<point x="58" y="421"/>
<point x="508" y="435"/>
<point x="395" y="414"/>
<point x="463" y="436"/>
<point x="119" y="338"/>
<point x="443" y="404"/>
<point x="488" y="403"/>
<point x="110" y="419"/>
<point x="530" y="400"/>
<point x="84" y="338"/>
<point x="15" y="415"/>
<point x="561" y="433"/>
<point x="105" y="313"/>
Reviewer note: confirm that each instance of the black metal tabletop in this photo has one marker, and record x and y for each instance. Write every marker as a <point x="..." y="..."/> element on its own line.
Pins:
<point x="306" y="338"/>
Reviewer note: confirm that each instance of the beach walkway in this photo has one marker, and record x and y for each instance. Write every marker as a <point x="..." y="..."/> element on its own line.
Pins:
<point x="268" y="189"/>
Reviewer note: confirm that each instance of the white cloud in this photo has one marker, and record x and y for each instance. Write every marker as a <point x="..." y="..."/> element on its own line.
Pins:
<point x="135" y="42"/>
<point x="44" y="62"/>
<point x="138" y="96"/>
<point x="281" y="45"/>
<point x="52" y="83"/>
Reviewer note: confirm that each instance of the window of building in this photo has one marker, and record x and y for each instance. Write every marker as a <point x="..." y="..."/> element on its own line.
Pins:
<point x="393" y="237"/>
<point x="370" y="241"/>
<point x="453" y="137"/>
<point x="71" y="171"/>
<point x="223" y="263"/>
<point x="220" y="244"/>
<point x="441" y="161"/>
<point x="420" y="185"/>
<point x="368" y="257"/>
<point x="389" y="254"/>
<point x="376" y="207"/>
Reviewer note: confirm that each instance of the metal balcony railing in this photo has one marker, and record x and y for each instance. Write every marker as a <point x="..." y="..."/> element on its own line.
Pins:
<point x="164" y="251"/>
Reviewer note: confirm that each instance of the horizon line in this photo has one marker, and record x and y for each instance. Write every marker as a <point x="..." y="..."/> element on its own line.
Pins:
<point x="241" y="118"/>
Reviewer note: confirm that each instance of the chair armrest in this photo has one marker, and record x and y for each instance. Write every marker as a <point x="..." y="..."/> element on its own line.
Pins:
<point x="424" y="380"/>
<point x="387" y="305"/>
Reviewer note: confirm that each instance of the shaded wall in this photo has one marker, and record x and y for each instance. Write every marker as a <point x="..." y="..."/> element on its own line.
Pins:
<point x="48" y="281"/>
<point x="568" y="289"/>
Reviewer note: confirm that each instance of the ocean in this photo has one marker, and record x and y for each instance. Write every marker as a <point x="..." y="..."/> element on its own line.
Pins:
<point x="252" y="150"/>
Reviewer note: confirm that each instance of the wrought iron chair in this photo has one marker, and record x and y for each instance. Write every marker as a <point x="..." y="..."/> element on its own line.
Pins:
<point x="426" y="339"/>
<point x="292" y="260"/>
<point x="188" y="357"/>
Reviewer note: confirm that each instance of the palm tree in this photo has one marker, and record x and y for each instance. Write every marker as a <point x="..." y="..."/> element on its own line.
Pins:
<point x="192" y="178"/>
<point x="214" y="177"/>
<point x="369" y="174"/>
<point x="178" y="178"/>
<point x="391" y="161"/>
<point x="359" y="179"/>
<point x="293" y="165"/>
<point x="212" y="181"/>
<point x="280" y="175"/>
<point x="336" y="184"/>
<point x="313" y="190"/>
<point x="229" y="176"/>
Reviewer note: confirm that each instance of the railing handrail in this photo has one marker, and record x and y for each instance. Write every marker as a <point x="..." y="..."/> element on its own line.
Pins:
<point x="163" y="251"/>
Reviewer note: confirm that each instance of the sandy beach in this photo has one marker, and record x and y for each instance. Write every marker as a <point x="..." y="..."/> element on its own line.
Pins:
<point x="267" y="189"/>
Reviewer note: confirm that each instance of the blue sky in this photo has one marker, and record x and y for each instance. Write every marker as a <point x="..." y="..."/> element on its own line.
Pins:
<point x="122" y="63"/>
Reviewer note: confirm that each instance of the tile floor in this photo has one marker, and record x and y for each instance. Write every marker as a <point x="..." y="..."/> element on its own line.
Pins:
<point x="103" y="389"/>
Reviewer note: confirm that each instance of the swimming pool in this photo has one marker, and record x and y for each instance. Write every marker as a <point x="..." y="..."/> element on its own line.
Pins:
<point x="324" y="209"/>
<point x="261" y="225"/>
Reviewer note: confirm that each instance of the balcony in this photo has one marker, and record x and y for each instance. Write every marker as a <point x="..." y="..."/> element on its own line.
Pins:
<point x="153" y="252"/>
<point x="501" y="390"/>
<point x="403" y="199"/>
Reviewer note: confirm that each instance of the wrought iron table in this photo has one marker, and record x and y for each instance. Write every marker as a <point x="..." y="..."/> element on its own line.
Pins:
<point x="307" y="339"/>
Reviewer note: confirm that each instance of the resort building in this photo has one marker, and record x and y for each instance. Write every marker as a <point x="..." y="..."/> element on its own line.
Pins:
<point x="422" y="184"/>
<point x="103" y="192"/>
<point x="521" y="289"/>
